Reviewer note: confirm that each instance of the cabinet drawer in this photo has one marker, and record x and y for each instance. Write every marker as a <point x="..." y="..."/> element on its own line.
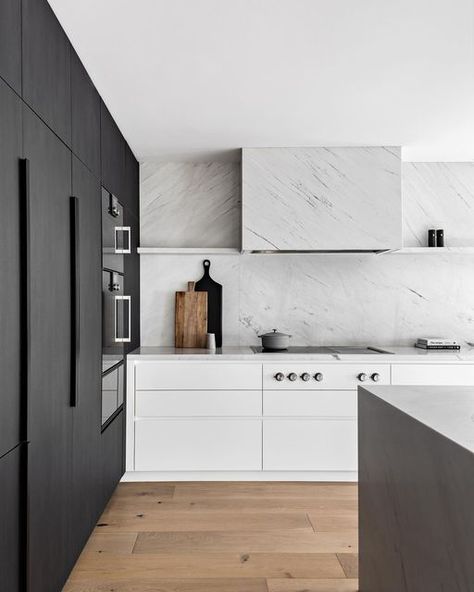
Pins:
<point x="197" y="403"/>
<point x="433" y="374"/>
<point x="188" y="375"/>
<point x="310" y="403"/>
<point x="198" y="445"/>
<point x="333" y="376"/>
<point x="310" y="445"/>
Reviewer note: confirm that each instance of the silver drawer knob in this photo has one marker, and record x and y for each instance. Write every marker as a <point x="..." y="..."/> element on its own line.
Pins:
<point x="375" y="376"/>
<point x="279" y="376"/>
<point x="362" y="377"/>
<point x="305" y="376"/>
<point x="318" y="376"/>
<point x="292" y="376"/>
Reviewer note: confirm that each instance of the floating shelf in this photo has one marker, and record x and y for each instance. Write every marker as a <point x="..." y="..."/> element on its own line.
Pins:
<point x="429" y="251"/>
<point x="187" y="251"/>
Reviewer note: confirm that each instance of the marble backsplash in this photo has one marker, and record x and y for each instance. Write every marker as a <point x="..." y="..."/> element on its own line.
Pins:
<point x="320" y="299"/>
<point x="332" y="299"/>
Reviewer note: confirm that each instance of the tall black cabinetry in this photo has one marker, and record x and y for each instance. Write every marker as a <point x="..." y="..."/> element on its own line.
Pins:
<point x="11" y="362"/>
<point x="58" y="146"/>
<point x="50" y="415"/>
<point x="46" y="67"/>
<point x="12" y="355"/>
<point x="10" y="43"/>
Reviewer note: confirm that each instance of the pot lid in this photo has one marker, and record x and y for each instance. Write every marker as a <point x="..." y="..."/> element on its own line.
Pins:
<point x="274" y="333"/>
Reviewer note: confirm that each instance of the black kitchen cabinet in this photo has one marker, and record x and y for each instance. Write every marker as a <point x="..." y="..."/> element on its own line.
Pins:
<point x="112" y="454"/>
<point x="85" y="112"/>
<point x="10" y="244"/>
<point x="46" y="67"/>
<point x="112" y="146"/>
<point x="132" y="278"/>
<point x="11" y="520"/>
<point x="58" y="143"/>
<point x="131" y="198"/>
<point x="50" y="419"/>
<point x="86" y="463"/>
<point x="10" y="43"/>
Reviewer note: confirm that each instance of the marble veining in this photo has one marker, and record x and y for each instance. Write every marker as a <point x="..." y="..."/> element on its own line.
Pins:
<point x="438" y="195"/>
<point x="189" y="204"/>
<point x="330" y="299"/>
<point x="321" y="198"/>
<point x="320" y="299"/>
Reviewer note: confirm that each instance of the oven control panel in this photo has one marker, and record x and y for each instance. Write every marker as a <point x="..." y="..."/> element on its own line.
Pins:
<point x="313" y="375"/>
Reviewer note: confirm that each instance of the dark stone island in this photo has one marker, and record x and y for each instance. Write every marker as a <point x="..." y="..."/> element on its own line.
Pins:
<point x="416" y="489"/>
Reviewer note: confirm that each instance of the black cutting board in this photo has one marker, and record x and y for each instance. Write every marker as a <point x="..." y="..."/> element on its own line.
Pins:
<point x="214" y="302"/>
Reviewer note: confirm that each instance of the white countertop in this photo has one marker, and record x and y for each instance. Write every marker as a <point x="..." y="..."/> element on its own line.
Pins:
<point x="449" y="410"/>
<point x="399" y="354"/>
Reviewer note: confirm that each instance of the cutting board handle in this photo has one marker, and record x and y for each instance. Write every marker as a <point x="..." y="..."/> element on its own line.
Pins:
<point x="191" y="286"/>
<point x="207" y="266"/>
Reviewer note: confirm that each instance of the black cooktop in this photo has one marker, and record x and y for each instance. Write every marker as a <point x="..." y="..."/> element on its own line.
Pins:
<point x="321" y="349"/>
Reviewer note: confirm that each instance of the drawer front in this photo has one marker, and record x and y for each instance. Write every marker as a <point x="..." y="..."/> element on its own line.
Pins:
<point x="310" y="445"/>
<point x="197" y="376"/>
<point x="333" y="376"/>
<point x="310" y="403"/>
<point x="198" y="445"/>
<point x="198" y="403"/>
<point x="433" y="374"/>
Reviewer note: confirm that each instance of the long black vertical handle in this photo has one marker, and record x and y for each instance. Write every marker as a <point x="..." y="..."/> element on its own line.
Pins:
<point x="75" y="303"/>
<point x="24" y="290"/>
<point x="24" y="211"/>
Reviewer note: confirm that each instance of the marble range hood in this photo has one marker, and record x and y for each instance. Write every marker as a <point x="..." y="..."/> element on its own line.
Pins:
<point x="321" y="199"/>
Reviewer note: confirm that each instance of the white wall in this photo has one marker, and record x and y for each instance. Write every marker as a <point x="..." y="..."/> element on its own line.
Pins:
<point x="334" y="299"/>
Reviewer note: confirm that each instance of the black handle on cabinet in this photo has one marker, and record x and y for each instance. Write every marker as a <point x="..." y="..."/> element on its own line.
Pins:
<point x="75" y="296"/>
<point x="24" y="178"/>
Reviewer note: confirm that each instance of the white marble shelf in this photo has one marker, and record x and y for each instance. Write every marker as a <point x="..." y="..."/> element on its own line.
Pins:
<point x="429" y="251"/>
<point x="187" y="251"/>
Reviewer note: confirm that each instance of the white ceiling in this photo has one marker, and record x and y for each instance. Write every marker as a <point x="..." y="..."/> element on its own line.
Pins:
<point x="196" y="79"/>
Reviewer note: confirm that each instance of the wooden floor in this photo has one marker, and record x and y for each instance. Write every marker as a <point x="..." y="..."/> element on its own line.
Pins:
<point x="223" y="537"/>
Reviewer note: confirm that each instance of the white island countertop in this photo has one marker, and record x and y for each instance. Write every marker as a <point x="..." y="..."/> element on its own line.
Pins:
<point x="448" y="410"/>
<point x="398" y="354"/>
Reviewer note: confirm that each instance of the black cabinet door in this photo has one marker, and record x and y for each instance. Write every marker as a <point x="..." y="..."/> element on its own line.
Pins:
<point x="50" y="412"/>
<point x="10" y="357"/>
<point x="86" y="464"/>
<point x="112" y="154"/>
<point x="46" y="67"/>
<point x="132" y="196"/>
<point x="112" y="453"/>
<point x="132" y="279"/>
<point x="11" y="521"/>
<point x="85" y="102"/>
<point x="10" y="43"/>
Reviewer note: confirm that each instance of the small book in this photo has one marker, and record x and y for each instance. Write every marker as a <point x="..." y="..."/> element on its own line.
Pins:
<point x="438" y="347"/>
<point x="441" y="341"/>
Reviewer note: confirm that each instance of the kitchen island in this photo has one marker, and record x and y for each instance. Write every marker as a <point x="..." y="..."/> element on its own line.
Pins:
<point x="416" y="488"/>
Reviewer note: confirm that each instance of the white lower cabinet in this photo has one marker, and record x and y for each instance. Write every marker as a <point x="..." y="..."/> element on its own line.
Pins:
<point x="433" y="374"/>
<point x="198" y="445"/>
<point x="309" y="445"/>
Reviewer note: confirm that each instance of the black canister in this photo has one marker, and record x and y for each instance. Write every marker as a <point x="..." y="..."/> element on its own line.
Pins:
<point x="440" y="238"/>
<point x="432" y="237"/>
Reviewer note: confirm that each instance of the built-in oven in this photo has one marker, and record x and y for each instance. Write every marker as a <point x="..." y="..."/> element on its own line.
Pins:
<point x="116" y="305"/>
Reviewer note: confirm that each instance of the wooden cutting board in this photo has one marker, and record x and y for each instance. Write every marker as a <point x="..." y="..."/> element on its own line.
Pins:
<point x="214" y="302"/>
<point x="190" y="318"/>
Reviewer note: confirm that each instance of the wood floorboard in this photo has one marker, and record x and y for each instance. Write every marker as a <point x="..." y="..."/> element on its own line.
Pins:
<point x="305" y="585"/>
<point x="349" y="563"/>
<point x="315" y="505"/>
<point x="146" y="521"/>
<point x="223" y="537"/>
<point x="277" y="541"/>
